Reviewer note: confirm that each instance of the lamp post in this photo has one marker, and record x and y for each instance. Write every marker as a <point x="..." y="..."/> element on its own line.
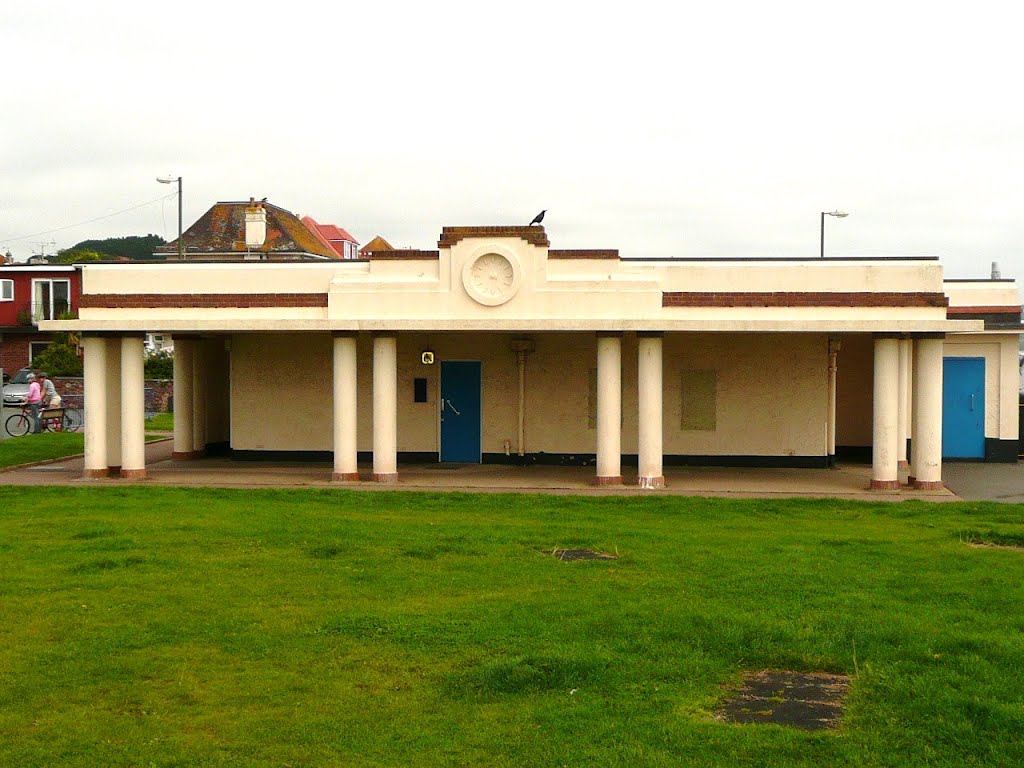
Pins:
<point x="838" y="215"/>
<point x="181" y="245"/>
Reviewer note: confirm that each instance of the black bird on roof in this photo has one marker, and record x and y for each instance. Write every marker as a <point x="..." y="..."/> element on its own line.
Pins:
<point x="538" y="218"/>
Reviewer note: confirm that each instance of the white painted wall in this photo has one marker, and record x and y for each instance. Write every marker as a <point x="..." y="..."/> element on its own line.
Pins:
<point x="1001" y="378"/>
<point x="772" y="395"/>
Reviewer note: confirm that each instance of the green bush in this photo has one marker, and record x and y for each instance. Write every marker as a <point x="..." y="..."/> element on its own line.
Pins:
<point x="58" y="360"/>
<point x="160" y="365"/>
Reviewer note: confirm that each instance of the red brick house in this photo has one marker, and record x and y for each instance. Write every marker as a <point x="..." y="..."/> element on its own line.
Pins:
<point x="30" y="293"/>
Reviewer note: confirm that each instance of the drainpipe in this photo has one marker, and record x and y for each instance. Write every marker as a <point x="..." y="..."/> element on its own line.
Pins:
<point x="834" y="346"/>
<point x="521" y="347"/>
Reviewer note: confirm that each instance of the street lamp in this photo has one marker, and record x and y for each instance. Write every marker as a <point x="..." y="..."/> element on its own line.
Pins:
<point x="838" y="215"/>
<point x="181" y="245"/>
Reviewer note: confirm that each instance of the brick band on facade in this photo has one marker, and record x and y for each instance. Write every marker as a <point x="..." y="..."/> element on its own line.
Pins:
<point x="1002" y="310"/>
<point x="584" y="254"/>
<point x="452" y="235"/>
<point x="408" y="253"/>
<point x="200" y="300"/>
<point x="801" y="299"/>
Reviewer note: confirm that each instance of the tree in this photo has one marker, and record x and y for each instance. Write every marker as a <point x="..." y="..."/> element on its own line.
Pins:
<point x="134" y="247"/>
<point x="78" y="256"/>
<point x="159" y="364"/>
<point x="59" y="359"/>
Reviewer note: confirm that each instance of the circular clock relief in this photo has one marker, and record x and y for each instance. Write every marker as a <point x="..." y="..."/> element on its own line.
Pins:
<point x="491" y="279"/>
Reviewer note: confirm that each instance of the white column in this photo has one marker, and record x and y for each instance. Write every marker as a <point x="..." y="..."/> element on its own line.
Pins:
<point x="183" y="415"/>
<point x="926" y="445"/>
<point x="199" y="398"/>
<point x="345" y="413"/>
<point x="385" y="409"/>
<point x="885" y="468"/>
<point x="609" y="409"/>
<point x="94" y="353"/>
<point x="649" y="374"/>
<point x="133" y="408"/>
<point x="113" y="372"/>
<point x="903" y="403"/>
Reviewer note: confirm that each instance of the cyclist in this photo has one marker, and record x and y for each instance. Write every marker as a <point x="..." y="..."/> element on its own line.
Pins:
<point x="50" y="397"/>
<point x="35" y="397"/>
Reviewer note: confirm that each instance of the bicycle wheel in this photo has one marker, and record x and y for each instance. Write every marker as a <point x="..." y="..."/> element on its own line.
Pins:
<point x="72" y="420"/>
<point x="17" y="425"/>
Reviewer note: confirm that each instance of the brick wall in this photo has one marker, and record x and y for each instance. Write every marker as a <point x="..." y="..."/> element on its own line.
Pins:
<point x="14" y="354"/>
<point x="201" y="300"/>
<point x="158" y="392"/>
<point x="802" y="299"/>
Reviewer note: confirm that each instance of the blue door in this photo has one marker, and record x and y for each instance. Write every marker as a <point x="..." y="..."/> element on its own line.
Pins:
<point x="963" y="408"/>
<point x="460" y="411"/>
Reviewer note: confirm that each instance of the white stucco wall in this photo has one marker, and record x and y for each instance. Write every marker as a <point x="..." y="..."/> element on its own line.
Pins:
<point x="771" y="398"/>
<point x="1001" y="378"/>
<point x="982" y="293"/>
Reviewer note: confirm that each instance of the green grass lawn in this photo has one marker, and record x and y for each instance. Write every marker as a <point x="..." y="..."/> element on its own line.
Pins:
<point x="162" y="422"/>
<point x="185" y="627"/>
<point x="45" y="445"/>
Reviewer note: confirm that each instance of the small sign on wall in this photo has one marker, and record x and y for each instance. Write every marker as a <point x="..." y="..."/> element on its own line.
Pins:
<point x="427" y="357"/>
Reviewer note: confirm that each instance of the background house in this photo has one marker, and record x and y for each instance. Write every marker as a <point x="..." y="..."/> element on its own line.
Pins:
<point x="30" y="294"/>
<point x="346" y="246"/>
<point x="256" y="231"/>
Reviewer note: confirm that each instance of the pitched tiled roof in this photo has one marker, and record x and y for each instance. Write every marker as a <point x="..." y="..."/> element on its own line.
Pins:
<point x="330" y="235"/>
<point x="377" y="244"/>
<point x="221" y="230"/>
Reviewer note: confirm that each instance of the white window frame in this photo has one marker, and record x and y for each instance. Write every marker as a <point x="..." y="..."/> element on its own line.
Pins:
<point x="6" y="290"/>
<point x="36" y="315"/>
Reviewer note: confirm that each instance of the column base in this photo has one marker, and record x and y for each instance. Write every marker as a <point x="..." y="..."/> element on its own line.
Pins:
<point x="607" y="480"/>
<point x="133" y="474"/>
<point x="384" y="477"/>
<point x="651" y="482"/>
<point x="345" y="477"/>
<point x="113" y="471"/>
<point x="187" y="455"/>
<point x="884" y="485"/>
<point x="928" y="485"/>
<point x="95" y="474"/>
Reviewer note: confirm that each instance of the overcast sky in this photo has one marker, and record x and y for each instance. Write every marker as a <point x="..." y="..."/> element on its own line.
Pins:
<point x="704" y="129"/>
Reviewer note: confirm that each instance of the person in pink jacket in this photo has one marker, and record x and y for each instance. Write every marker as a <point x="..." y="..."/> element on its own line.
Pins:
<point x="35" y="396"/>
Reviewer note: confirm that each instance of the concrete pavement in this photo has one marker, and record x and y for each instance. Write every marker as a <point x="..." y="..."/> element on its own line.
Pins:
<point x="846" y="482"/>
<point x="978" y="481"/>
<point x="964" y="480"/>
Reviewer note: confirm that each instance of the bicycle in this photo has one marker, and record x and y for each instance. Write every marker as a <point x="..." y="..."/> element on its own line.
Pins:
<point x="50" y="420"/>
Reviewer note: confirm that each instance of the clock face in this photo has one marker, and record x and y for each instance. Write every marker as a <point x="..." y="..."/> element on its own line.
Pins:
<point x="491" y="279"/>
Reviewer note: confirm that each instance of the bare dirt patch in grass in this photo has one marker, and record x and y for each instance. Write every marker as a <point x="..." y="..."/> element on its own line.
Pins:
<point x="993" y="539"/>
<point x="582" y="554"/>
<point x="809" y="700"/>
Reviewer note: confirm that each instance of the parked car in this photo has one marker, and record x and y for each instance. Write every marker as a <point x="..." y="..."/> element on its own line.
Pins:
<point x="16" y="390"/>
